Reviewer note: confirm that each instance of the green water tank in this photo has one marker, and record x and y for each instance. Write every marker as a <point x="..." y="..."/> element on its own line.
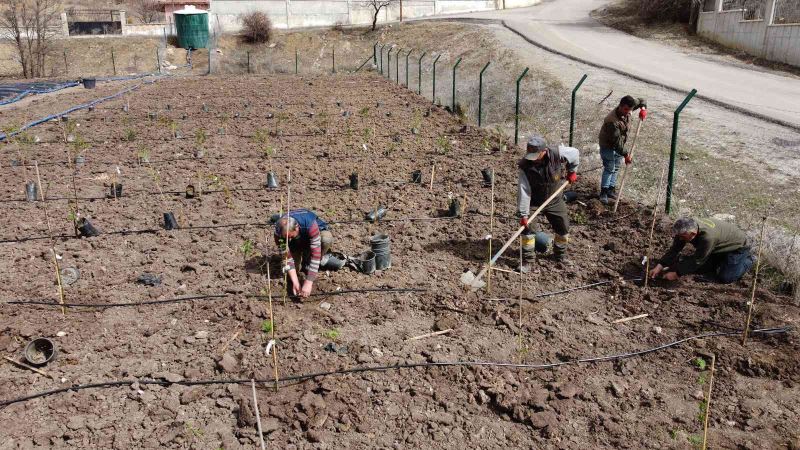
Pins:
<point x="191" y="25"/>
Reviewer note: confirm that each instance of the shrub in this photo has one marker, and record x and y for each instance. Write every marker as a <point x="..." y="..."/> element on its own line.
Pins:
<point x="256" y="27"/>
<point x="652" y="11"/>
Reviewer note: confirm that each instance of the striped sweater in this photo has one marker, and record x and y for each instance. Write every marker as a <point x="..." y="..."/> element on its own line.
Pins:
<point x="308" y="239"/>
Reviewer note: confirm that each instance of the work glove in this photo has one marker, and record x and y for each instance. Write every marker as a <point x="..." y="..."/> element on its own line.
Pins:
<point x="642" y="113"/>
<point x="628" y="159"/>
<point x="572" y="177"/>
<point x="523" y="221"/>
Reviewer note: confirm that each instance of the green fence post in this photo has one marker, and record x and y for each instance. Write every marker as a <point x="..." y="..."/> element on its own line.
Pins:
<point x="158" y="61"/>
<point x="674" y="149"/>
<point x="113" y="61"/>
<point x="453" y="98"/>
<point x="407" y="55"/>
<point x="380" y="54"/>
<point x="433" y="99"/>
<point x="572" y="108"/>
<point x="296" y="63"/>
<point x="333" y="66"/>
<point x="516" y="109"/>
<point x="248" y="62"/>
<point x="389" y="63"/>
<point x="397" y="66"/>
<point x="375" y="54"/>
<point x="480" y="93"/>
<point x="419" y="77"/>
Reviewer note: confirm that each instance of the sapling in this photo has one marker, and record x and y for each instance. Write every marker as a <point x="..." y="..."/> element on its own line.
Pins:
<point x="130" y="135"/>
<point x="332" y="334"/>
<point x="364" y="112"/>
<point x="266" y="326"/>
<point x="143" y="155"/>
<point x="444" y="145"/>
<point x="247" y="249"/>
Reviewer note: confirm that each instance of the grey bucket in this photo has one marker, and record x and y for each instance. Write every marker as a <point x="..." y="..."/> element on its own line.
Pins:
<point x="376" y="214"/>
<point x="31" y="191"/>
<point x="366" y="262"/>
<point x="169" y="221"/>
<point x="416" y="177"/>
<point x="272" y="180"/>
<point x="488" y="176"/>
<point x="455" y="208"/>
<point x="381" y="246"/>
<point x="354" y="181"/>
<point x="89" y="83"/>
<point x="40" y="351"/>
<point x="116" y="190"/>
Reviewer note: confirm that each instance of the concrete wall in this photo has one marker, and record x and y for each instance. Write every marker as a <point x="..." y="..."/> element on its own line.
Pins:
<point x="318" y="13"/>
<point x="761" y="38"/>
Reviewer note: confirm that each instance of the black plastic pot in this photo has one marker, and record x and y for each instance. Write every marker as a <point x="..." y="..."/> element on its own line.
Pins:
<point x="40" y="351"/>
<point x="488" y="176"/>
<point x="331" y="262"/>
<point x="366" y="262"/>
<point x="381" y="247"/>
<point x="570" y="196"/>
<point x="31" y="191"/>
<point x="89" y="83"/>
<point x="272" y="180"/>
<point x="169" y="221"/>
<point x="116" y="190"/>
<point x="190" y="192"/>
<point x="376" y="214"/>
<point x="354" y="181"/>
<point x="86" y="229"/>
<point x="80" y="160"/>
<point x="15" y="163"/>
<point x="416" y="177"/>
<point x="455" y="208"/>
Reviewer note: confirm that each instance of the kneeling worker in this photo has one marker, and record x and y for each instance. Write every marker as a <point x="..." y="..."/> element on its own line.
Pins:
<point x="719" y="248"/>
<point x="309" y="239"/>
<point x="540" y="175"/>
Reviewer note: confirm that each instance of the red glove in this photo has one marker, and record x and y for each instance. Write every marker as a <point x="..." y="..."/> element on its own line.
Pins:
<point x="642" y="113"/>
<point x="628" y="159"/>
<point x="572" y="177"/>
<point x="523" y="221"/>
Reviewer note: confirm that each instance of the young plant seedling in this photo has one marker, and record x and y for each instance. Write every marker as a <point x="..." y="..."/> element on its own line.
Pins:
<point x="200" y="138"/>
<point x="266" y="326"/>
<point x="332" y="334"/>
<point x="247" y="249"/>
<point x="444" y="145"/>
<point x="129" y="135"/>
<point x="143" y="155"/>
<point x="364" y="112"/>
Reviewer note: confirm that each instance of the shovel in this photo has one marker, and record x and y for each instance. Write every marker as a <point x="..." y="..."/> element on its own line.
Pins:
<point x="474" y="281"/>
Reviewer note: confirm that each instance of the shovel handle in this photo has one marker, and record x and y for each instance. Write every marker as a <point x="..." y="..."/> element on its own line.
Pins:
<point x="625" y="169"/>
<point x="519" y="231"/>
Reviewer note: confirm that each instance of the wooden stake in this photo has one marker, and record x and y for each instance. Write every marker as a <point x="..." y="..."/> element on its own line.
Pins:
<point x="272" y="320"/>
<point x="258" y="415"/>
<point x="25" y="366"/>
<point x="433" y="171"/>
<point x="708" y="403"/>
<point x="628" y="319"/>
<point x="755" y="282"/>
<point x="652" y="228"/>
<point x="61" y="295"/>
<point x="625" y="169"/>
<point x="427" y="335"/>
<point x="519" y="301"/>
<point x="491" y="239"/>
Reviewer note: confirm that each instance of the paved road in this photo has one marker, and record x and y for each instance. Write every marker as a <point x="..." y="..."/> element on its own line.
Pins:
<point x="566" y="27"/>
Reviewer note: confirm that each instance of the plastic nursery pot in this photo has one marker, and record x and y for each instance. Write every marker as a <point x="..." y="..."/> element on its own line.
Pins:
<point x="455" y="208"/>
<point x="31" y="191"/>
<point x="331" y="262"/>
<point x="272" y="180"/>
<point x="381" y="247"/>
<point x="199" y="153"/>
<point x="376" y="214"/>
<point x="86" y="229"/>
<point x="416" y="177"/>
<point x="39" y="351"/>
<point x="366" y="262"/>
<point x="15" y="163"/>
<point x="169" y="221"/>
<point x="354" y="181"/>
<point x="488" y="176"/>
<point x="80" y="160"/>
<point x="570" y="196"/>
<point x="116" y="190"/>
<point x="190" y="192"/>
<point x="543" y="241"/>
<point x="89" y="83"/>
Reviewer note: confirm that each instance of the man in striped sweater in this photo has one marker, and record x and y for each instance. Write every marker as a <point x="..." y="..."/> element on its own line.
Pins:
<point x="309" y="239"/>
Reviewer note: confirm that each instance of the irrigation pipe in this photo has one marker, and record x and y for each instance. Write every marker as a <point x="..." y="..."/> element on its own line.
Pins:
<point x="305" y="377"/>
<point x="28" y="92"/>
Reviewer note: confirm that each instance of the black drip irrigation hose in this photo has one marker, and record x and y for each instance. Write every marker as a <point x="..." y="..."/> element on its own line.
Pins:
<point x="585" y="286"/>
<point x="426" y="365"/>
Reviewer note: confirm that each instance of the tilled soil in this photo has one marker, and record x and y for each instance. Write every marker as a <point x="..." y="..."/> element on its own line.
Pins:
<point x="322" y="129"/>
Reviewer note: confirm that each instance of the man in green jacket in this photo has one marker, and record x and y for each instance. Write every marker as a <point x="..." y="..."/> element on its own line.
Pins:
<point x="612" y="138"/>
<point x="720" y="248"/>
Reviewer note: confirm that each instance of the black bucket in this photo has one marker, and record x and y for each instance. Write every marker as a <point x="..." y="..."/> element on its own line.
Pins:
<point x="40" y="351"/>
<point x="80" y="160"/>
<point x="331" y="262"/>
<point x="488" y="176"/>
<point x="31" y="191"/>
<point x="169" y="221"/>
<point x="86" y="229"/>
<point x="190" y="192"/>
<point x="366" y="262"/>
<point x="416" y="177"/>
<point x="570" y="196"/>
<point x="381" y="247"/>
<point x="376" y="214"/>
<point x="272" y="180"/>
<point x="89" y="83"/>
<point x="455" y="208"/>
<point x="354" y="181"/>
<point x="116" y="190"/>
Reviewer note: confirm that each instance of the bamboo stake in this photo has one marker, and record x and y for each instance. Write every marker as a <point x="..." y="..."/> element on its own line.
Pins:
<point x="61" y="295"/>
<point x="625" y="169"/>
<point x="652" y="228"/>
<point x="491" y="239"/>
<point x="433" y="171"/>
<point x="272" y="320"/>
<point x="755" y="282"/>
<point x="288" y="250"/>
<point x="628" y="319"/>
<point x="25" y="366"/>
<point x="258" y="415"/>
<point x="708" y="403"/>
<point x="427" y="335"/>
<point x="519" y="301"/>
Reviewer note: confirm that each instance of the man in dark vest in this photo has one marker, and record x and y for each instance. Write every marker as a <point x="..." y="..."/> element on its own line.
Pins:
<point x="540" y="175"/>
<point x="612" y="138"/>
<point x="309" y="239"/>
<point x="719" y="248"/>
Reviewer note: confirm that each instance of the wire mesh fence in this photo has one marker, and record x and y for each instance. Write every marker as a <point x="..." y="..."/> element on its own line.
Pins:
<point x="751" y="9"/>
<point x="786" y="12"/>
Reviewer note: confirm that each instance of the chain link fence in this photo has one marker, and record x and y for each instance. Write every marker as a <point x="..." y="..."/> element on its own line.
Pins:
<point x="786" y="12"/>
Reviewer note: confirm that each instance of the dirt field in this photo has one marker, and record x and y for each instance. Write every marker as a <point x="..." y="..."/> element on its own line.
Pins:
<point x="324" y="128"/>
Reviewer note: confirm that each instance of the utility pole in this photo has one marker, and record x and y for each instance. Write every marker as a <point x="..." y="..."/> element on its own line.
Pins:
<point x="401" y="10"/>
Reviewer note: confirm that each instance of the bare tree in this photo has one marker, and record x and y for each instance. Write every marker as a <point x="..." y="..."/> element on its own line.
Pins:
<point x="148" y="11"/>
<point x="377" y="5"/>
<point x="31" y="25"/>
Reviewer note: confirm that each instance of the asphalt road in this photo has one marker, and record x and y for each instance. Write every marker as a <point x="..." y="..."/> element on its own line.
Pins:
<point x="566" y="27"/>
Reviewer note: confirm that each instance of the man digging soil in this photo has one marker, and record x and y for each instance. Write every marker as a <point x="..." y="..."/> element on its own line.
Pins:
<point x="309" y="240"/>
<point x="540" y="174"/>
<point x="721" y="249"/>
<point x="612" y="139"/>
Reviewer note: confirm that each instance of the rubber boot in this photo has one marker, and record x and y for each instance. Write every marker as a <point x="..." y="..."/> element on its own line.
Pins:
<point x="604" y="196"/>
<point x="560" y="244"/>
<point x="612" y="193"/>
<point x="528" y="252"/>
